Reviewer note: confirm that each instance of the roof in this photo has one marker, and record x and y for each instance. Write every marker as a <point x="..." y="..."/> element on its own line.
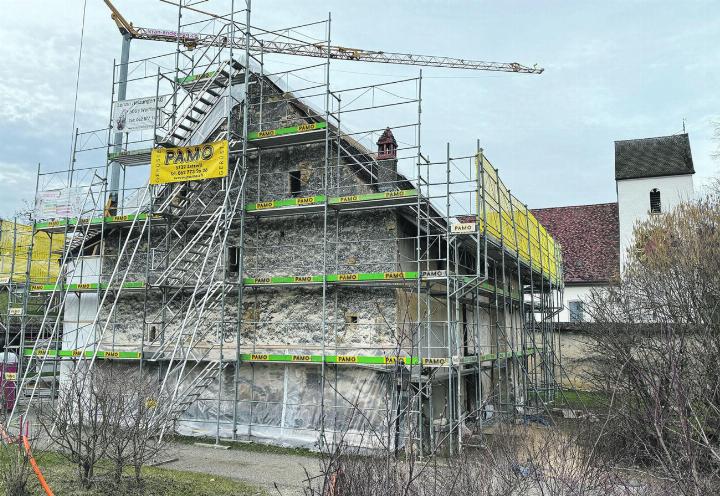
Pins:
<point x="653" y="157"/>
<point x="590" y="240"/>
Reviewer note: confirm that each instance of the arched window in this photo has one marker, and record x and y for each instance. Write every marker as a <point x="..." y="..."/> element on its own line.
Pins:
<point x="655" y="206"/>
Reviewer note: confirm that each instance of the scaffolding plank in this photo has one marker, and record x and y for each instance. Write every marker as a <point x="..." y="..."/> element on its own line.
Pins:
<point x="131" y="157"/>
<point x="59" y="225"/>
<point x="106" y="355"/>
<point x="317" y="202"/>
<point x="284" y="136"/>
<point x="302" y="358"/>
<point x="81" y="287"/>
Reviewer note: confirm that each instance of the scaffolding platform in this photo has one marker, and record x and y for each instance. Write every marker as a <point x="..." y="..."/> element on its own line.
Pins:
<point x="286" y="136"/>
<point x="86" y="287"/>
<point x="80" y="354"/>
<point x="291" y="206"/>
<point x="114" y="220"/>
<point x="307" y="359"/>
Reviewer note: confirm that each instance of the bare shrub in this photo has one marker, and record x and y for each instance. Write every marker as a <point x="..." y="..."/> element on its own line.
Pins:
<point x="132" y="416"/>
<point x="75" y="423"/>
<point x="109" y="413"/>
<point x="14" y="469"/>
<point x="657" y="347"/>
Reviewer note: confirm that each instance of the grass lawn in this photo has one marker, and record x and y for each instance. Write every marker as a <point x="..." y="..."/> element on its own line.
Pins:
<point x="576" y="399"/>
<point x="62" y="478"/>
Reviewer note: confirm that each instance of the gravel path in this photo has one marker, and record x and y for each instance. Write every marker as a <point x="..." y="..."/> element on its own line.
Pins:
<point x="255" y="467"/>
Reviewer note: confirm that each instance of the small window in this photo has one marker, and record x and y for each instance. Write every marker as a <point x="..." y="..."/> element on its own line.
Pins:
<point x="577" y="313"/>
<point x="295" y="183"/>
<point x="655" y="205"/>
<point x="351" y="318"/>
<point x="233" y="259"/>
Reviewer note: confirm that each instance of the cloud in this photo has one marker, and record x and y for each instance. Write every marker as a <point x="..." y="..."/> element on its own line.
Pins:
<point x="614" y="70"/>
<point x="18" y="187"/>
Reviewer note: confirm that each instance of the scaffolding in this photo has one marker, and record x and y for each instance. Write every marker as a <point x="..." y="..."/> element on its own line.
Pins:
<point x="323" y="288"/>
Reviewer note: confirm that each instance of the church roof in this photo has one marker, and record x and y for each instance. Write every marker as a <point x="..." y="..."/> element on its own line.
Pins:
<point x="590" y="240"/>
<point x="653" y="157"/>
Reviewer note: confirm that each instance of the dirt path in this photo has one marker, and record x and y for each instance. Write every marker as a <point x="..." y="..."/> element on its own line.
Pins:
<point x="255" y="467"/>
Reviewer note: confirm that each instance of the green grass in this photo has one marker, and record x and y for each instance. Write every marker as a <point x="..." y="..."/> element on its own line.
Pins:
<point x="62" y="478"/>
<point x="578" y="400"/>
<point x="247" y="446"/>
<point x="575" y="399"/>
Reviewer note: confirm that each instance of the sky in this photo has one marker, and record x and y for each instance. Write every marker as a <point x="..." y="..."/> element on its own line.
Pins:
<point x="613" y="70"/>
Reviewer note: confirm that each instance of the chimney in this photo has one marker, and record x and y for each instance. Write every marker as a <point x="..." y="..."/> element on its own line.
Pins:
<point x="387" y="146"/>
<point x="386" y="169"/>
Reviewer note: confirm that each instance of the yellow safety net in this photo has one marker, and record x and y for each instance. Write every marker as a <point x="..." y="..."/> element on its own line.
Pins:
<point x="16" y="242"/>
<point x="508" y="221"/>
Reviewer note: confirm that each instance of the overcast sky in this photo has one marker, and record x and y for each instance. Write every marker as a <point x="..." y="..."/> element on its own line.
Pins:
<point x="613" y="70"/>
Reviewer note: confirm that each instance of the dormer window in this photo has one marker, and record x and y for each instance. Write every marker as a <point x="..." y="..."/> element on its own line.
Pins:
<point x="655" y="205"/>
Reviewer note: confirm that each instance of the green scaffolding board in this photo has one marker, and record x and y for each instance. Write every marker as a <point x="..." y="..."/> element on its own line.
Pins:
<point x="301" y="358"/>
<point x="129" y="153"/>
<point x="90" y="286"/>
<point x="337" y="200"/>
<point x="367" y="277"/>
<point x="195" y="77"/>
<point x="357" y="277"/>
<point x="94" y="220"/>
<point x="105" y="355"/>
<point x="271" y="133"/>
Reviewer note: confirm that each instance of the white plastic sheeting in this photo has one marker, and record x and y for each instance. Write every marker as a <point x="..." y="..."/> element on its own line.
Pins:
<point x="283" y="404"/>
<point x="80" y="309"/>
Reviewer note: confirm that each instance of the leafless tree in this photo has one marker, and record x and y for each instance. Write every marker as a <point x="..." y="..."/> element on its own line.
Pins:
<point x="657" y="343"/>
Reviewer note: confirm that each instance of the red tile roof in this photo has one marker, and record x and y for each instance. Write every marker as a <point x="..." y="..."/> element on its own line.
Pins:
<point x="590" y="240"/>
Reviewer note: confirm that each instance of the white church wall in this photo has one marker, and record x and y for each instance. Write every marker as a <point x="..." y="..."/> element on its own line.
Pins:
<point x="571" y="294"/>
<point x="634" y="202"/>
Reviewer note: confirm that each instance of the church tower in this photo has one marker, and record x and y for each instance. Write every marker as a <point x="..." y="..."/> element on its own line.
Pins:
<point x="652" y="176"/>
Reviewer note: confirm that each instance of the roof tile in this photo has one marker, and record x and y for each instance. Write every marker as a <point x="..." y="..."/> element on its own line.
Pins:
<point x="653" y="157"/>
<point x="590" y="240"/>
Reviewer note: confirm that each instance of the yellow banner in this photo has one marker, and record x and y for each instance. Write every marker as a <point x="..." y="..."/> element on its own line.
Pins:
<point x="189" y="163"/>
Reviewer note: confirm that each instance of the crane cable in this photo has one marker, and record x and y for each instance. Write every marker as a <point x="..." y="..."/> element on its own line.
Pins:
<point x="77" y="80"/>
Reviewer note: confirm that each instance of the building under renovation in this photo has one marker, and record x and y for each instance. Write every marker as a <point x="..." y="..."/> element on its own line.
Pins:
<point x="282" y="257"/>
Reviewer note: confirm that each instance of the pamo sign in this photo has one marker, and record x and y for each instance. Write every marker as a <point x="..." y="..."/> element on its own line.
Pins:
<point x="136" y="115"/>
<point x="189" y="163"/>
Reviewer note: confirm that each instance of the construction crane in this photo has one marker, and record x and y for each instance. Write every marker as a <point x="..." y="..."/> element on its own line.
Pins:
<point x="192" y="40"/>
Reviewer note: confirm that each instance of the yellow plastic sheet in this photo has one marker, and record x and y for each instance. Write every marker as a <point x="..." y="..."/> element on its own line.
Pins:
<point x="509" y="221"/>
<point x="16" y="243"/>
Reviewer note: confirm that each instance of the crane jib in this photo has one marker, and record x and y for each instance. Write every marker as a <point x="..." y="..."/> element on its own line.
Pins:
<point x="335" y="52"/>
